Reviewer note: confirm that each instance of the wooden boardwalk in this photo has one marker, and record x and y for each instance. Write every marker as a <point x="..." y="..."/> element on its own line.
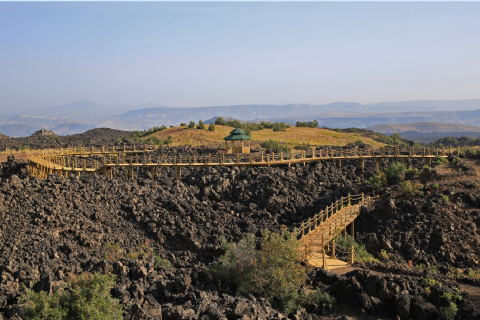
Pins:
<point x="102" y="160"/>
<point x="317" y="232"/>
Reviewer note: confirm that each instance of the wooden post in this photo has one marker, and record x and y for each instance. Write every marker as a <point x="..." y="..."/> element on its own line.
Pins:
<point x="351" y="256"/>
<point x="349" y="197"/>
<point x="361" y="165"/>
<point x="352" y="230"/>
<point x="333" y="248"/>
<point x="324" y="259"/>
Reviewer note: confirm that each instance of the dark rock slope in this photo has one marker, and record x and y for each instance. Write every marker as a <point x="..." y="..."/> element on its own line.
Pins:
<point x="95" y="137"/>
<point x="57" y="227"/>
<point x="441" y="229"/>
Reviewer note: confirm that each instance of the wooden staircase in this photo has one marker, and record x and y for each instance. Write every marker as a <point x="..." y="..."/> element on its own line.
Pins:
<point x="318" y="231"/>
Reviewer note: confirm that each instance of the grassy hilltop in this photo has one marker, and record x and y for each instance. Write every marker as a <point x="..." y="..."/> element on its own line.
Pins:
<point x="292" y="136"/>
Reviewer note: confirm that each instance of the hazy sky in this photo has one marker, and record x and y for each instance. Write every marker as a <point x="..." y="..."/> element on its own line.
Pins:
<point x="202" y="54"/>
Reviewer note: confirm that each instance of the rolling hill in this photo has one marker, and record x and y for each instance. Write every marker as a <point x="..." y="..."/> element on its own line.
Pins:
<point x="292" y="136"/>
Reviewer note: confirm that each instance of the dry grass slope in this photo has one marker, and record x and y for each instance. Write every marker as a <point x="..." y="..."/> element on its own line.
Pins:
<point x="292" y="136"/>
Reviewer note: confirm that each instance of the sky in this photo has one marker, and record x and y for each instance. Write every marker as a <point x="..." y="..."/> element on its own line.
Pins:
<point x="194" y="54"/>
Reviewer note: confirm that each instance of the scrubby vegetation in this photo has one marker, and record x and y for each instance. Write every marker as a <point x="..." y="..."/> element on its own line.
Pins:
<point x="309" y="124"/>
<point x="409" y="189"/>
<point x="360" y="250"/>
<point x="303" y="146"/>
<point x="274" y="146"/>
<point x="274" y="271"/>
<point x="249" y="127"/>
<point x="201" y="126"/>
<point x="144" y="133"/>
<point x="86" y="296"/>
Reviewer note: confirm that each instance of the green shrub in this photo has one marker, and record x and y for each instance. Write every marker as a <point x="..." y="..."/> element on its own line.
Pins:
<point x="309" y="124"/>
<point x="191" y="125"/>
<point x="201" y="125"/>
<point x="395" y="173"/>
<point x="410" y="190"/>
<point x="303" y="146"/>
<point x="275" y="271"/>
<point x="411" y="173"/>
<point x="427" y="282"/>
<point x="169" y="140"/>
<point x="274" y="146"/>
<point x="384" y="254"/>
<point x="362" y="253"/>
<point x="160" y="262"/>
<point x="211" y="127"/>
<point x="86" y="296"/>
<point x="379" y="180"/>
<point x="435" y="186"/>
<point x="183" y="124"/>
<point x="153" y="140"/>
<point x="220" y="121"/>
<point x="440" y="160"/>
<point x="449" y="312"/>
<point x="446" y="198"/>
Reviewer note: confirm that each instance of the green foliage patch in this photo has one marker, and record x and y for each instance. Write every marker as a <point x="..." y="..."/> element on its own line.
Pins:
<point x="409" y="189"/>
<point x="362" y="253"/>
<point x="309" y="124"/>
<point x="84" y="297"/>
<point x="274" y="146"/>
<point x="274" y="271"/>
<point x="303" y="146"/>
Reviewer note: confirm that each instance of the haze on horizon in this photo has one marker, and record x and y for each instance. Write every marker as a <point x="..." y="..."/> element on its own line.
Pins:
<point x="194" y="54"/>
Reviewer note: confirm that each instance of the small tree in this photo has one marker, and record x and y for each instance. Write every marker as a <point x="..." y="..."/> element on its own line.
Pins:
<point x="395" y="173"/>
<point x="201" y="125"/>
<point x="276" y="271"/>
<point x="211" y="127"/>
<point x="191" y="125"/>
<point x="220" y="121"/>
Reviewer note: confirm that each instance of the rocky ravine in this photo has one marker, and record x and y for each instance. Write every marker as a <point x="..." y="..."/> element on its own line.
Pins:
<point x="59" y="226"/>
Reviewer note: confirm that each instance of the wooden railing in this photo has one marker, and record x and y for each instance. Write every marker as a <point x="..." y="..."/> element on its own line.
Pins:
<point x="101" y="160"/>
<point x="345" y="210"/>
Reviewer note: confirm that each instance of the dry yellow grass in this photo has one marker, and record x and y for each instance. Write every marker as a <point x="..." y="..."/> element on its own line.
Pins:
<point x="292" y="136"/>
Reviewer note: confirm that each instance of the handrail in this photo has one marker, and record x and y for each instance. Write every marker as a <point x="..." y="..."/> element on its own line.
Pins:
<point x="351" y="210"/>
<point x="55" y="160"/>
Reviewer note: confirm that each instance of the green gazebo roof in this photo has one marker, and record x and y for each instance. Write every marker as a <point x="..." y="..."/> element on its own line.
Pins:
<point x="237" y="134"/>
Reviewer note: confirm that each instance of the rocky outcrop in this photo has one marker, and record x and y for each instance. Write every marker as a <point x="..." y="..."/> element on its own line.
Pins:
<point x="55" y="227"/>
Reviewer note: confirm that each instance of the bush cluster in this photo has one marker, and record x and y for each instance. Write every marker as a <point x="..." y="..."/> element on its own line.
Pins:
<point x="275" y="271"/>
<point x="86" y="296"/>
<point x="309" y="124"/>
<point x="249" y="127"/>
<point x="362" y="253"/>
<point x="144" y="133"/>
<point x="410" y="189"/>
<point x="303" y="146"/>
<point x="274" y="146"/>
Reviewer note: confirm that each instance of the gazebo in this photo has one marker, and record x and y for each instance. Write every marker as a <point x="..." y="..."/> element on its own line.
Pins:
<point x="236" y="139"/>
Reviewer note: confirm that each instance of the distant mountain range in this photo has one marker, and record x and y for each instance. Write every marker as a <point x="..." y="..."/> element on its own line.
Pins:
<point x="79" y="116"/>
<point x="428" y="131"/>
